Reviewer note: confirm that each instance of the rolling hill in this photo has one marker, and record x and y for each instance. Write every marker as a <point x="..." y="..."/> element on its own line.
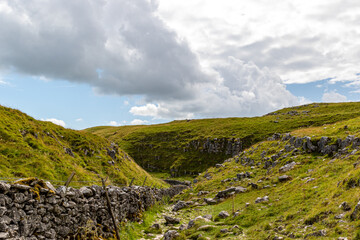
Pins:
<point x="191" y="146"/>
<point x="32" y="148"/>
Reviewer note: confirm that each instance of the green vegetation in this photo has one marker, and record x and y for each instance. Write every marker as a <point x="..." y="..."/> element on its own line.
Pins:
<point x="32" y="148"/>
<point x="305" y="204"/>
<point x="182" y="147"/>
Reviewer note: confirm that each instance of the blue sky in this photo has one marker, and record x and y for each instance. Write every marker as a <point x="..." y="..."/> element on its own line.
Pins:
<point x="75" y="104"/>
<point x="120" y="62"/>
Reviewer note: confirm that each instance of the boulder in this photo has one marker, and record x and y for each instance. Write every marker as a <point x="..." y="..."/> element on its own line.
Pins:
<point x="171" y="234"/>
<point x="287" y="167"/>
<point x="228" y="192"/>
<point x="171" y="220"/>
<point x="355" y="215"/>
<point x="179" y="205"/>
<point x="284" y="178"/>
<point x="210" y="201"/>
<point x="345" y="206"/>
<point x="200" y="193"/>
<point x="262" y="199"/>
<point x="4" y="187"/>
<point x="223" y="214"/>
<point x="308" y="146"/>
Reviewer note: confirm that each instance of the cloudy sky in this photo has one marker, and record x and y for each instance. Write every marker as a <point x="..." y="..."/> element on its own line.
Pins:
<point x="84" y="63"/>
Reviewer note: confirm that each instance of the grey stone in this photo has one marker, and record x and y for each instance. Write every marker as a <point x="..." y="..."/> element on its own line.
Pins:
<point x="171" y="234"/>
<point x="179" y="205"/>
<point x="284" y="178"/>
<point x="287" y="167"/>
<point x="4" y="187"/>
<point x="171" y="220"/>
<point x="156" y="226"/>
<point x="345" y="206"/>
<point x="4" y="235"/>
<point x="355" y="215"/>
<point x="262" y="199"/>
<point x="224" y="214"/>
<point x="201" y="193"/>
<point x="210" y="201"/>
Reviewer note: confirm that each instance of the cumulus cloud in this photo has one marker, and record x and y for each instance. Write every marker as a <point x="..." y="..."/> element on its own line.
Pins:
<point x="333" y="96"/>
<point x="114" y="123"/>
<point x="79" y="120"/>
<point x="3" y="83"/>
<point x="126" y="47"/>
<point x="243" y="89"/>
<point x="55" y="121"/>
<point x="138" y="122"/>
<point x="118" y="46"/>
<point x="301" y="41"/>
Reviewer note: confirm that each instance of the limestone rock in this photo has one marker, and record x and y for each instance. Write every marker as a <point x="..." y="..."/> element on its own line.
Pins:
<point x="262" y="199"/>
<point x="287" y="167"/>
<point x="284" y="178"/>
<point x="171" y="234"/>
<point x="224" y="214"/>
<point x="171" y="220"/>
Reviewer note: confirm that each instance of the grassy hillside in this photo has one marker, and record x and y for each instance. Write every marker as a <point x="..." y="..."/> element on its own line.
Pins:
<point x="190" y="146"/>
<point x="309" y="204"/>
<point x="32" y="148"/>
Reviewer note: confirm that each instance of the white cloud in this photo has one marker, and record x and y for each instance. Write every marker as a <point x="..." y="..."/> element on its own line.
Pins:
<point x="138" y="122"/>
<point x="242" y="89"/>
<point x="304" y="100"/>
<point x="301" y="41"/>
<point x="333" y="96"/>
<point x="114" y="123"/>
<point x="186" y="59"/>
<point x="103" y="43"/>
<point x="55" y="121"/>
<point x="3" y="83"/>
<point x="79" y="120"/>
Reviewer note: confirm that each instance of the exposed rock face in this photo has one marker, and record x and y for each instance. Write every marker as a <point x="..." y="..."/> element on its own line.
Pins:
<point x="177" y="182"/>
<point x="27" y="212"/>
<point x="322" y="146"/>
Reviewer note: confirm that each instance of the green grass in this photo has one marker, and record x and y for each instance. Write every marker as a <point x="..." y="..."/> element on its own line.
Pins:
<point x="169" y="146"/>
<point x="293" y="204"/>
<point x="32" y="148"/>
<point x="133" y="230"/>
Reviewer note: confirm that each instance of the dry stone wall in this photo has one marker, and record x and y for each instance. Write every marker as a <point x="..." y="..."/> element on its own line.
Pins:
<point x="40" y="213"/>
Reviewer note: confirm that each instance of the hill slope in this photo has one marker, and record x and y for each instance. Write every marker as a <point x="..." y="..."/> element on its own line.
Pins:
<point x="32" y="148"/>
<point x="302" y="185"/>
<point x="190" y="146"/>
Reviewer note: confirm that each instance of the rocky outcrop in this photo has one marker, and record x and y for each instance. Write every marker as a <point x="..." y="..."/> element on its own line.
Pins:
<point x="325" y="145"/>
<point x="229" y="146"/>
<point x="40" y="213"/>
<point x="177" y="182"/>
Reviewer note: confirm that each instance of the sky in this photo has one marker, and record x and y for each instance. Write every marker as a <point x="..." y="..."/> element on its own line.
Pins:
<point x="88" y="63"/>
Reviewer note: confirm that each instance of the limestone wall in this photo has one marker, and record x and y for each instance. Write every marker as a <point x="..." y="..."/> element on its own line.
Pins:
<point x="40" y="213"/>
